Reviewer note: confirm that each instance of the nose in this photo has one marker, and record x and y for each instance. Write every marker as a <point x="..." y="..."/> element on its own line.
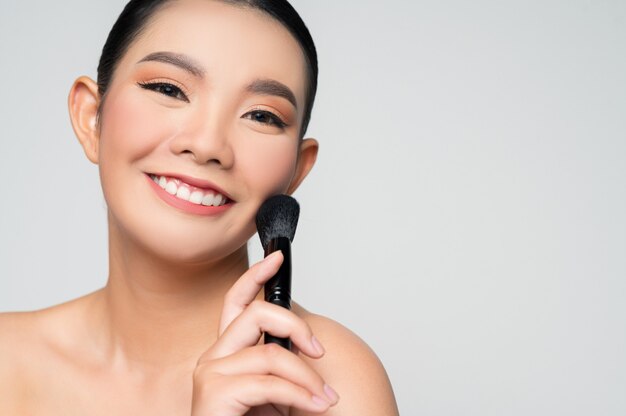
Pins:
<point x="205" y="143"/>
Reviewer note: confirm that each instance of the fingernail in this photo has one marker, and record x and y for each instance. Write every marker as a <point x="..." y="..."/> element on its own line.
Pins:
<point x="316" y="344"/>
<point x="330" y="393"/>
<point x="319" y="402"/>
<point x="267" y="262"/>
<point x="273" y="255"/>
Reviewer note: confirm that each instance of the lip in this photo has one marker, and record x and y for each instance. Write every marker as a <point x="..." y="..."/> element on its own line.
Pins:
<point x="198" y="183"/>
<point x="187" y="206"/>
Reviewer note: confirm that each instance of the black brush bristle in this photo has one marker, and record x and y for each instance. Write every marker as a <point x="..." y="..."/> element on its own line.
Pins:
<point x="277" y="217"/>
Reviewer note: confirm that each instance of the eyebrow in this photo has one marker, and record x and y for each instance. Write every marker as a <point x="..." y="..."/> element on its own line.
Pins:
<point x="272" y="87"/>
<point x="177" y="59"/>
<point x="261" y="86"/>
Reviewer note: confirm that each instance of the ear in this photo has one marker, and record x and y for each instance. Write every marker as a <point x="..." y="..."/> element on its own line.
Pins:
<point x="306" y="159"/>
<point x="83" y="104"/>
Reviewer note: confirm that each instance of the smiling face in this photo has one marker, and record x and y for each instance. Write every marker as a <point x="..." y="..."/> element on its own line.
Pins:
<point x="208" y="101"/>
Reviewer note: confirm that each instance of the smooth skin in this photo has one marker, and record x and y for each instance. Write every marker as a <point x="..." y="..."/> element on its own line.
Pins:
<point x="177" y="328"/>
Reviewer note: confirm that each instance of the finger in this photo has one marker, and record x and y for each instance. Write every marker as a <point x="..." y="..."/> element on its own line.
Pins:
<point x="235" y="392"/>
<point x="247" y="287"/>
<point x="275" y="390"/>
<point x="260" y="316"/>
<point x="271" y="359"/>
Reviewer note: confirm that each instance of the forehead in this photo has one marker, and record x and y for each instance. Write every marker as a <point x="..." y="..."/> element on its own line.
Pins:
<point x="233" y="44"/>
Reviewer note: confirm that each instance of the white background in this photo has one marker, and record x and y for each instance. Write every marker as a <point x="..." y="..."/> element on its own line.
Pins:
<point x="465" y="218"/>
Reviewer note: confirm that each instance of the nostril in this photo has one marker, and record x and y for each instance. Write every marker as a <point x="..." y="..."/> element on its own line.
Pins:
<point x="203" y="152"/>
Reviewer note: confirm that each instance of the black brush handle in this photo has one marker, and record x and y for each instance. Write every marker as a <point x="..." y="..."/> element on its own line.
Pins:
<point x="278" y="288"/>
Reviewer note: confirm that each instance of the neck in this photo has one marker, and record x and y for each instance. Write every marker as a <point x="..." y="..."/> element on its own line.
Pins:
<point x="158" y="314"/>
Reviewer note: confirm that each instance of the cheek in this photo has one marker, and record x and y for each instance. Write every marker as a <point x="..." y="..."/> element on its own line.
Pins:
<point x="131" y="129"/>
<point x="270" y="166"/>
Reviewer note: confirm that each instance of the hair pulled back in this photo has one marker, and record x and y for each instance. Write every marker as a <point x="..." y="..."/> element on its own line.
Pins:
<point x="136" y="14"/>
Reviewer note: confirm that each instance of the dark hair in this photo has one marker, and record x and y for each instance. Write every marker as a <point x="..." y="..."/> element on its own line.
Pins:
<point x="136" y="14"/>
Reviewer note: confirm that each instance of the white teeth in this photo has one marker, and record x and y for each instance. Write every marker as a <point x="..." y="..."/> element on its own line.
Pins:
<point x="171" y="188"/>
<point x="208" y="200"/>
<point x="183" y="193"/>
<point x="214" y="200"/>
<point x="196" y="197"/>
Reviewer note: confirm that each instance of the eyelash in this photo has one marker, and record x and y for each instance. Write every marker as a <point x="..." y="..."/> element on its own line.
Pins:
<point x="157" y="87"/>
<point x="275" y="120"/>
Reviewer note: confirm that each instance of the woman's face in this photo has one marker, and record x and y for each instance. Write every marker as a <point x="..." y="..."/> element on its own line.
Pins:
<point x="201" y="94"/>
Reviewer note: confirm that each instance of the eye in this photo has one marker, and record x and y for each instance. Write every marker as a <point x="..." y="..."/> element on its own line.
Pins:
<point x="165" y="88"/>
<point x="265" y="117"/>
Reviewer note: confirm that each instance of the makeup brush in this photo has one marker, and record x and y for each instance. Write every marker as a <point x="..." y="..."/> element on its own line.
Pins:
<point x="276" y="223"/>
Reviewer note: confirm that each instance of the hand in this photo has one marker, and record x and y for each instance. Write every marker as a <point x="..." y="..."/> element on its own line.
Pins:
<point x="236" y="376"/>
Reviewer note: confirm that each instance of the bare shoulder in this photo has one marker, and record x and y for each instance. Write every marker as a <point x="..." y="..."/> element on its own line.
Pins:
<point x="17" y="338"/>
<point x="17" y="333"/>
<point x="28" y="339"/>
<point x="352" y="368"/>
<point x="39" y="330"/>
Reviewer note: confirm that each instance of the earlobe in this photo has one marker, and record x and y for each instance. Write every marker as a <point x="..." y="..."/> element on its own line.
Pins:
<point x="306" y="159"/>
<point x="83" y="104"/>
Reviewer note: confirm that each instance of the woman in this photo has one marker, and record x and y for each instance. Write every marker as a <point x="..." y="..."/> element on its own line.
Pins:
<point x="198" y="116"/>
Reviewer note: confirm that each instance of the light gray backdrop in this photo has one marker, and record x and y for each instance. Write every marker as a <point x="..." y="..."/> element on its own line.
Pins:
<point x="466" y="216"/>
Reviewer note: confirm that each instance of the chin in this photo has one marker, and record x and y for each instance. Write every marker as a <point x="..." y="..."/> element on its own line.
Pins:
<point x="191" y="250"/>
<point x="174" y="238"/>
